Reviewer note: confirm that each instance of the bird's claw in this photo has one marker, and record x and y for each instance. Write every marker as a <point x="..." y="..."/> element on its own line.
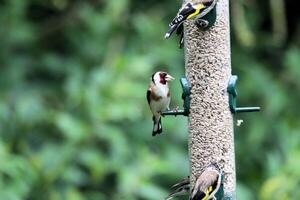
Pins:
<point x="201" y="23"/>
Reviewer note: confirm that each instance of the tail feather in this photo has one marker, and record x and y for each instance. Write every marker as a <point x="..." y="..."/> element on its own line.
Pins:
<point x="171" y="30"/>
<point x="180" y="189"/>
<point x="176" y="193"/>
<point x="157" y="128"/>
<point x="182" y="183"/>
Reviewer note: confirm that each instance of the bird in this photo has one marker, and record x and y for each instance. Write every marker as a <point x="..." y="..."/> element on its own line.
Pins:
<point x="207" y="184"/>
<point x="189" y="11"/>
<point x="158" y="97"/>
<point x="179" y="189"/>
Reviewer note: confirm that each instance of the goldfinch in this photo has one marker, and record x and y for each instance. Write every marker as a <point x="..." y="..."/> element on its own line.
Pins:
<point x="158" y="96"/>
<point x="207" y="184"/>
<point x="188" y="11"/>
<point x="179" y="189"/>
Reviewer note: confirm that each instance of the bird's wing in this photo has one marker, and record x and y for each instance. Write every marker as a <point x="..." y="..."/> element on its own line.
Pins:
<point x="205" y="185"/>
<point x="182" y="14"/>
<point x="210" y="181"/>
<point x="209" y="5"/>
<point x="148" y="95"/>
<point x="199" y="195"/>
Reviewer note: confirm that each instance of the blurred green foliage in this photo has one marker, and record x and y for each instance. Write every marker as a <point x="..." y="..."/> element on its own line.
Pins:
<point x="74" y="122"/>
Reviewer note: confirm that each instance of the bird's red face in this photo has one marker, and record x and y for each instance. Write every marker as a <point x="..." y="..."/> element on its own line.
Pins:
<point x="164" y="78"/>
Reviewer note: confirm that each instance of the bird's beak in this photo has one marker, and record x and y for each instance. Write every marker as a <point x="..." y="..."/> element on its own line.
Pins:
<point x="169" y="78"/>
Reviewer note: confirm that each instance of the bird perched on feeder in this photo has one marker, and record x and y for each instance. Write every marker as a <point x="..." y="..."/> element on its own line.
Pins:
<point x="189" y="11"/>
<point x="158" y="96"/>
<point x="179" y="189"/>
<point x="207" y="184"/>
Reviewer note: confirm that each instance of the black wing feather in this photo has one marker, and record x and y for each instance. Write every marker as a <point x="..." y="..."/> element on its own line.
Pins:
<point x="198" y="195"/>
<point x="148" y="96"/>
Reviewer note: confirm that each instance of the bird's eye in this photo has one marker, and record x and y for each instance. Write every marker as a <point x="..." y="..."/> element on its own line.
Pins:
<point x="163" y="75"/>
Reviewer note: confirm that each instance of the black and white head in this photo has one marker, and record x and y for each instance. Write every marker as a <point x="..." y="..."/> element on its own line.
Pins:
<point x="161" y="78"/>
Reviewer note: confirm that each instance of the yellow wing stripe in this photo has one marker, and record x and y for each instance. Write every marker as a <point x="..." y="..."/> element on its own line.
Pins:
<point x="199" y="8"/>
<point x="206" y="196"/>
<point x="207" y="193"/>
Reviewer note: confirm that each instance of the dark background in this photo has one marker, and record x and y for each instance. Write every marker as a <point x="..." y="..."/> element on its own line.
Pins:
<point x="74" y="121"/>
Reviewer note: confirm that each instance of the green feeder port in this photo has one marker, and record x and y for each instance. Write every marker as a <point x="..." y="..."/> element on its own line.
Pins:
<point x="186" y="91"/>
<point x="231" y="89"/>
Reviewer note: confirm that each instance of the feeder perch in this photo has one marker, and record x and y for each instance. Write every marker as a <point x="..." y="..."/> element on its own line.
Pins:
<point x="186" y="91"/>
<point x="231" y="89"/>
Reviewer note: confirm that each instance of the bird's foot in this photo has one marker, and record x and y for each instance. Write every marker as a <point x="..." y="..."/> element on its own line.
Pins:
<point x="201" y="23"/>
<point x="176" y="108"/>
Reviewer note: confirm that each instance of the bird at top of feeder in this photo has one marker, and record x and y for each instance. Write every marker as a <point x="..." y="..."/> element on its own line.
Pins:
<point x="188" y="11"/>
<point x="207" y="184"/>
<point x="158" y="97"/>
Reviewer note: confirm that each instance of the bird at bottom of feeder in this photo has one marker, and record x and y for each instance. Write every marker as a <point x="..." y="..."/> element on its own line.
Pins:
<point x="188" y="11"/>
<point x="207" y="184"/>
<point x="180" y="189"/>
<point x="158" y="97"/>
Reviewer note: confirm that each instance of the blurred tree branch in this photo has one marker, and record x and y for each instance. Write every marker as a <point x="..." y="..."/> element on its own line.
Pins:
<point x="240" y="24"/>
<point x="279" y="22"/>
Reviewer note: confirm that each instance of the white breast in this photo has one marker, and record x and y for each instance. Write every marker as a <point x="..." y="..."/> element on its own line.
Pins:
<point x="164" y="102"/>
<point x="162" y="90"/>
